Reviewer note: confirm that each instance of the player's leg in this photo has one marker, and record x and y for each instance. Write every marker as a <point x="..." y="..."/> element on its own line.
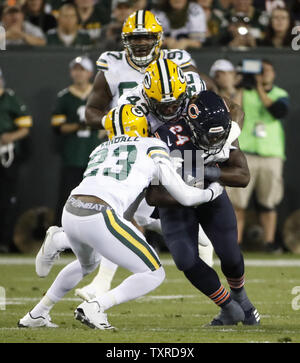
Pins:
<point x="102" y="281"/>
<point x="180" y="231"/>
<point x="54" y="243"/>
<point x="219" y="223"/>
<point x="67" y="279"/>
<point x="120" y="242"/>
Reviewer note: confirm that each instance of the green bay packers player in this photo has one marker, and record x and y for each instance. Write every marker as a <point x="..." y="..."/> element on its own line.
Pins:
<point x="96" y="218"/>
<point x="118" y="72"/>
<point x="142" y="37"/>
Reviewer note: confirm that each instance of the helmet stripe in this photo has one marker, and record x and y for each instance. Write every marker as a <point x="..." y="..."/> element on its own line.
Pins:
<point x="117" y="121"/>
<point x="120" y="119"/>
<point x="140" y="19"/>
<point x="113" y="122"/>
<point x="164" y="76"/>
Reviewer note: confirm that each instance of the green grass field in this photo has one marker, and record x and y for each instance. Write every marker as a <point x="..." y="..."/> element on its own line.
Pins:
<point x="174" y="313"/>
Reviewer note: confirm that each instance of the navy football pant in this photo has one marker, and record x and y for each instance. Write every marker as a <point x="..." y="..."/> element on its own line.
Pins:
<point x="180" y="231"/>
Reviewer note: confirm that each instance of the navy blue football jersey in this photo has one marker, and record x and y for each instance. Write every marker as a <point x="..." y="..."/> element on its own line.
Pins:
<point x="177" y="135"/>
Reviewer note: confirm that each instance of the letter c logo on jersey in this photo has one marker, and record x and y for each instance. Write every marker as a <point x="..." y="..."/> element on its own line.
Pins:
<point x="147" y="80"/>
<point x="193" y="111"/>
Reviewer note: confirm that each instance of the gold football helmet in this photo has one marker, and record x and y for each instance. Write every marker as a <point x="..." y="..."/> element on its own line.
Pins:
<point x="125" y="120"/>
<point x="142" y="37"/>
<point x="165" y="89"/>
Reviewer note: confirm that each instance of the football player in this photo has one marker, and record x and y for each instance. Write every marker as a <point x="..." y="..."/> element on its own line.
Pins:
<point x="208" y="126"/>
<point x="96" y="219"/>
<point x="119" y="71"/>
<point x="142" y="37"/>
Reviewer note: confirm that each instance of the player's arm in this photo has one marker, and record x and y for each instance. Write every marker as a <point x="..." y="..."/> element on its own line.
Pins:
<point x="236" y="112"/>
<point x="98" y="102"/>
<point x="232" y="173"/>
<point x="186" y="195"/>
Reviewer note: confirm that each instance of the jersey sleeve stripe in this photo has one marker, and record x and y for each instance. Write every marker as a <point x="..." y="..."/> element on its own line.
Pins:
<point x="57" y="120"/>
<point x="131" y="240"/>
<point x="152" y="148"/>
<point x="185" y="65"/>
<point x="23" y="121"/>
<point x="159" y="155"/>
<point x="102" y="64"/>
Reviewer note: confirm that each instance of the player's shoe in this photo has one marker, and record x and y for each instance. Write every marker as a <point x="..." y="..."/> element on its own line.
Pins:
<point x="48" y="253"/>
<point x="41" y="321"/>
<point x="91" y="314"/>
<point x="231" y="314"/>
<point x="252" y="317"/>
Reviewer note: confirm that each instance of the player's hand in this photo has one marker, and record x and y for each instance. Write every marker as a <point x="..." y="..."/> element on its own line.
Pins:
<point x="217" y="190"/>
<point x="176" y="162"/>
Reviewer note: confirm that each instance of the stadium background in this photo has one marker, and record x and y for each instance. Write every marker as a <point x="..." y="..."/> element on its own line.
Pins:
<point x="38" y="75"/>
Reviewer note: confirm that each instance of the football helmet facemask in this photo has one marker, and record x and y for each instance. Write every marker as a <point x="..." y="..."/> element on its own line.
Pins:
<point x="125" y="120"/>
<point x="209" y="119"/>
<point x="164" y="89"/>
<point x="142" y="37"/>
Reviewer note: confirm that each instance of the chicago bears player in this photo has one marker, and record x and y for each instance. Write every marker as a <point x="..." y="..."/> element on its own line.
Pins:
<point x="208" y="127"/>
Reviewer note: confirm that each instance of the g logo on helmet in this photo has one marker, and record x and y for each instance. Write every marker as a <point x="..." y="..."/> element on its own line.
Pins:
<point x="137" y="112"/>
<point x="147" y="80"/>
<point x="193" y="111"/>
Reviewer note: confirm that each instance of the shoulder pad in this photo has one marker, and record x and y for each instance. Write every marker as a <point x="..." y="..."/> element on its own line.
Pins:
<point x="179" y="56"/>
<point x="106" y="58"/>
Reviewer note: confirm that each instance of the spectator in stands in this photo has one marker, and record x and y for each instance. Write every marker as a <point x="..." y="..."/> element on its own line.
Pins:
<point x="19" y="31"/>
<point x="214" y="19"/>
<point x="183" y="22"/>
<point x="262" y="140"/>
<point x="67" y="32"/>
<point x="279" y="32"/>
<point x="111" y="33"/>
<point x="269" y="5"/>
<point x="15" y="123"/>
<point x="35" y="14"/>
<point x="246" y="25"/>
<point x="92" y="17"/>
<point x="68" y="120"/>
<point x="224" y="75"/>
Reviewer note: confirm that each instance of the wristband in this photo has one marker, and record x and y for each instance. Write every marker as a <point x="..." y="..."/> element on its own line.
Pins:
<point x="212" y="173"/>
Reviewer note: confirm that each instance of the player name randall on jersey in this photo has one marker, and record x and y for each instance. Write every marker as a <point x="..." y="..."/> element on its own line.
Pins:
<point x="118" y="139"/>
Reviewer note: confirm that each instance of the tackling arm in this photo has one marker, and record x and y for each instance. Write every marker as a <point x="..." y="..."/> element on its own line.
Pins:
<point x="98" y="102"/>
<point x="186" y="195"/>
<point x="235" y="172"/>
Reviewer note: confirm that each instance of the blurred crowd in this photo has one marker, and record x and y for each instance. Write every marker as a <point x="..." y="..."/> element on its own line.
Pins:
<point x="187" y="24"/>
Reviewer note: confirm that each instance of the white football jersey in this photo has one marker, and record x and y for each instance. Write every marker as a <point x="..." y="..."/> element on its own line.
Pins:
<point x="122" y="75"/>
<point x="120" y="170"/>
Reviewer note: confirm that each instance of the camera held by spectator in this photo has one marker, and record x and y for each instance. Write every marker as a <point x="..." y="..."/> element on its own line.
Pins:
<point x="248" y="69"/>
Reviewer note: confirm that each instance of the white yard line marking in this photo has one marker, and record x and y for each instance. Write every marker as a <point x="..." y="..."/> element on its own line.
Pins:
<point x="166" y="262"/>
